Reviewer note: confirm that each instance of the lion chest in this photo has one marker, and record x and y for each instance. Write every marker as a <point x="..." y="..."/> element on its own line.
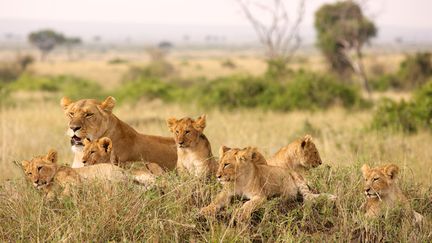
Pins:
<point x="194" y="162"/>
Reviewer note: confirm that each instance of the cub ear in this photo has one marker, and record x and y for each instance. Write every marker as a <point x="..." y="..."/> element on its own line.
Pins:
<point x="365" y="169"/>
<point x="253" y="154"/>
<point x="305" y="140"/>
<point x="25" y="163"/>
<point x="106" y="144"/>
<point x="51" y="156"/>
<point x="108" y="104"/>
<point x="65" y="102"/>
<point x="200" y="123"/>
<point x="223" y="149"/>
<point x="86" y="141"/>
<point x="171" y="122"/>
<point x="392" y="171"/>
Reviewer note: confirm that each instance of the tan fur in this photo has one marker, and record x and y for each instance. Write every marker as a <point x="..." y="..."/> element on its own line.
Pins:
<point x="382" y="191"/>
<point x="193" y="148"/>
<point x="100" y="151"/>
<point x="244" y="172"/>
<point x="300" y="155"/>
<point x="92" y="119"/>
<point x="45" y="174"/>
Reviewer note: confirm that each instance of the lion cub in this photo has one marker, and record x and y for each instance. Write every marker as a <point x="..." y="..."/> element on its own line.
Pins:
<point x="300" y="155"/>
<point x="194" y="153"/>
<point x="382" y="191"/>
<point x="101" y="151"/>
<point x="244" y="172"/>
<point x="45" y="174"/>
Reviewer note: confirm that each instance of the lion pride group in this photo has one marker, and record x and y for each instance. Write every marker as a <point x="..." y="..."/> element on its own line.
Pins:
<point x="102" y="144"/>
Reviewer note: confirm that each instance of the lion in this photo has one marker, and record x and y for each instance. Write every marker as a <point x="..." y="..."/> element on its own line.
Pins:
<point x="100" y="151"/>
<point x="194" y="153"/>
<point x="382" y="191"/>
<point x="47" y="175"/>
<point x="243" y="172"/>
<point x="89" y="118"/>
<point x="300" y="155"/>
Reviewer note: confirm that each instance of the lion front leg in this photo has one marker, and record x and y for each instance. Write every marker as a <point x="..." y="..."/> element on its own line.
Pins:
<point x="249" y="207"/>
<point x="222" y="199"/>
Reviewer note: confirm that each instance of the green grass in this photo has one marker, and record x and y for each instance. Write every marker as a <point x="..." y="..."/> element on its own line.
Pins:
<point x="170" y="213"/>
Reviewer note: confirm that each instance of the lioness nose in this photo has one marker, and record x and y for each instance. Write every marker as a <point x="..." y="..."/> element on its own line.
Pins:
<point x="181" y="142"/>
<point x="75" y="128"/>
<point x="37" y="181"/>
<point x="84" y="161"/>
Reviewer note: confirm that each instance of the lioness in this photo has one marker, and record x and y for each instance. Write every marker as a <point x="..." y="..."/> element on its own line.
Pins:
<point x="100" y="151"/>
<point x="382" y="191"/>
<point x="194" y="153"/>
<point x="243" y="172"/>
<point x="300" y="155"/>
<point x="45" y="174"/>
<point x="89" y="118"/>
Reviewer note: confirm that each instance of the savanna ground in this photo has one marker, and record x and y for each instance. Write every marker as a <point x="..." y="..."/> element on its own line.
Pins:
<point x="36" y="123"/>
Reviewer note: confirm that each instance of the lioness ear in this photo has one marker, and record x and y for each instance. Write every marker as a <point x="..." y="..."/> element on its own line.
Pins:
<point x="200" y="123"/>
<point x="364" y="169"/>
<point x="108" y="104"/>
<point x="171" y="122"/>
<point x="51" y="156"/>
<point x="65" y="102"/>
<point x="106" y="144"/>
<point x="86" y="141"/>
<point x="25" y="163"/>
<point x="392" y="171"/>
<point x="223" y="149"/>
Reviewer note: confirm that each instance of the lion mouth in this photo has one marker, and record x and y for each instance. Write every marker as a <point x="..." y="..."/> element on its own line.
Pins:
<point x="371" y="195"/>
<point x="75" y="140"/>
<point x="40" y="185"/>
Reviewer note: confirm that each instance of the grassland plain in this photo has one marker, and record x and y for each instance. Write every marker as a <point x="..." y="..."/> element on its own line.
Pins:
<point x="169" y="212"/>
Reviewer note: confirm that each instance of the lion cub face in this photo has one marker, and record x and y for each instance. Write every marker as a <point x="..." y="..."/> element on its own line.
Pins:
<point x="235" y="162"/>
<point x="40" y="170"/>
<point x="88" y="118"/>
<point x="97" y="151"/>
<point x="309" y="156"/>
<point x="186" y="130"/>
<point x="378" y="180"/>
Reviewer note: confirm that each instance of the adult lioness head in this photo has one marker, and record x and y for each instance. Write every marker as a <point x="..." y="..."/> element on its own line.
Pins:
<point x="379" y="181"/>
<point x="97" y="151"/>
<point x="186" y="130"/>
<point x="88" y="118"/>
<point x="235" y="162"/>
<point x="40" y="170"/>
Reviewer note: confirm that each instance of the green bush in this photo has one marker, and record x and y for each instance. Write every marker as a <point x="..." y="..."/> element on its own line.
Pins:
<point x="150" y="88"/>
<point x="406" y="116"/>
<point x="155" y="69"/>
<point x="415" y="70"/>
<point x="70" y="86"/>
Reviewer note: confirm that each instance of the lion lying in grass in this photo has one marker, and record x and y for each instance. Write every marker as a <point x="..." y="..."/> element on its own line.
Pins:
<point x="194" y="153"/>
<point x="101" y="151"/>
<point x="300" y="155"/>
<point x="382" y="191"/>
<point x="47" y="175"/>
<point x="244" y="172"/>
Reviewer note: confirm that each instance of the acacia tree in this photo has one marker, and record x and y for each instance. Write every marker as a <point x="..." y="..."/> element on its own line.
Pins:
<point x="70" y="43"/>
<point x="276" y="31"/>
<point x="343" y="30"/>
<point x="46" y="41"/>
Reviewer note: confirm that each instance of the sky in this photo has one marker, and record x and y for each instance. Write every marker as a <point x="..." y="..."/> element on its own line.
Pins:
<point x="412" y="14"/>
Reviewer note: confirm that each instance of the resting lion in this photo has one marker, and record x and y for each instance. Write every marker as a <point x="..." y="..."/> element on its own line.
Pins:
<point x="300" y="155"/>
<point x="89" y="118"/>
<point x="100" y="151"/>
<point x="382" y="191"/>
<point x="193" y="148"/>
<point x="46" y="174"/>
<point x="244" y="172"/>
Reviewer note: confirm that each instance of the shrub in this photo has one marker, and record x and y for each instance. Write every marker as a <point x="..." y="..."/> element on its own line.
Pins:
<point x="68" y="85"/>
<point x="117" y="60"/>
<point x="406" y="116"/>
<point x="159" y="69"/>
<point x="415" y="70"/>
<point x="150" y="88"/>
<point x="228" y="63"/>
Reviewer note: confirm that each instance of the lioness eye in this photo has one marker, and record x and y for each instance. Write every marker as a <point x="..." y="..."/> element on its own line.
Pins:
<point x="71" y="114"/>
<point x="177" y="132"/>
<point x="89" y="114"/>
<point x="226" y="165"/>
<point x="39" y="168"/>
<point x="29" y="173"/>
<point x="187" y="131"/>
<point x="92" y="152"/>
<point x="375" y="179"/>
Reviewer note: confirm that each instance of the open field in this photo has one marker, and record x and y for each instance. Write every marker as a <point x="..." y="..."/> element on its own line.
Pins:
<point x="35" y="122"/>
